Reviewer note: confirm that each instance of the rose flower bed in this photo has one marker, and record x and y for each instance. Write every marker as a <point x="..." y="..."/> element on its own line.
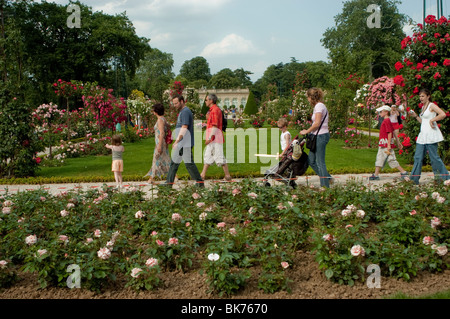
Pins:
<point x="222" y="232"/>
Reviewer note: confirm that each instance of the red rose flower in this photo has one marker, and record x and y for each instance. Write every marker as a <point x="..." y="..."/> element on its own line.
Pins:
<point x="398" y="66"/>
<point x="399" y="80"/>
<point x="437" y="76"/>
<point x="447" y="62"/>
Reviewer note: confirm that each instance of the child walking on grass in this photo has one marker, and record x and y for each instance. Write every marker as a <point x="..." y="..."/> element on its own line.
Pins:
<point x="117" y="160"/>
<point x="386" y="145"/>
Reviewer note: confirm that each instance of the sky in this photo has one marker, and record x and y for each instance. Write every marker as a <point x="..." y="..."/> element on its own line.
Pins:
<point x="248" y="34"/>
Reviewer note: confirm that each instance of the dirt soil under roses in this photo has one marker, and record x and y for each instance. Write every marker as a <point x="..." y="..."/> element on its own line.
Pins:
<point x="308" y="283"/>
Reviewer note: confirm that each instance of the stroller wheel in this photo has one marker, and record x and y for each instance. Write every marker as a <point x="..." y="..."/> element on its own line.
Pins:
<point x="267" y="184"/>
<point x="293" y="184"/>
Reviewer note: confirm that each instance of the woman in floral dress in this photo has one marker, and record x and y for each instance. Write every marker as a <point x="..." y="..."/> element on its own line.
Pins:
<point x="161" y="157"/>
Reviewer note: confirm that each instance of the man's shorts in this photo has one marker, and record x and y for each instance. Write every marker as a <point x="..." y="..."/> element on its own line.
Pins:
<point x="214" y="154"/>
<point x="117" y="166"/>
<point x="383" y="158"/>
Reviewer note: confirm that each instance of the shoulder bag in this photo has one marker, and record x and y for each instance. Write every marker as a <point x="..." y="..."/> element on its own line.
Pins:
<point x="311" y="139"/>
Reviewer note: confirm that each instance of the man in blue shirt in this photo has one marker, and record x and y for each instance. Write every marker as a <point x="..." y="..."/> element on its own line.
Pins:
<point x="182" y="146"/>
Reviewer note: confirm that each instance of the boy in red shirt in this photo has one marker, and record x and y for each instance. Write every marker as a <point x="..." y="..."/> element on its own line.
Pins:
<point x="386" y="146"/>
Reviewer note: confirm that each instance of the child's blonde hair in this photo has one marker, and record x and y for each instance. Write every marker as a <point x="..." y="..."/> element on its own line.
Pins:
<point x="283" y="122"/>
<point x="116" y="140"/>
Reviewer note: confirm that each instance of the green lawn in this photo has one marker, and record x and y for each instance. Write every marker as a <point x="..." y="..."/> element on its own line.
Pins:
<point x="439" y="295"/>
<point x="138" y="160"/>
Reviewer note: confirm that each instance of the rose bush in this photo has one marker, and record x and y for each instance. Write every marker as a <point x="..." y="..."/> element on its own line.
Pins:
<point x="224" y="231"/>
<point x="427" y="65"/>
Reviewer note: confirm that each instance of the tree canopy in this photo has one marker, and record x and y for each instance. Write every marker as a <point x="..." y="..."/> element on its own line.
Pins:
<point x="55" y="51"/>
<point x="196" y="69"/>
<point x="356" y="47"/>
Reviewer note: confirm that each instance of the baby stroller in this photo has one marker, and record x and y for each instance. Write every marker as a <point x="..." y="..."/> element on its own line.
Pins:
<point x="294" y="163"/>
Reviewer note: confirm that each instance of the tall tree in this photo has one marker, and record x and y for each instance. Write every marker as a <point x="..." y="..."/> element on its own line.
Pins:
<point x="356" y="46"/>
<point x="244" y="77"/>
<point x="196" y="69"/>
<point x="86" y="53"/>
<point x="18" y="143"/>
<point x="224" y="79"/>
<point x="155" y="73"/>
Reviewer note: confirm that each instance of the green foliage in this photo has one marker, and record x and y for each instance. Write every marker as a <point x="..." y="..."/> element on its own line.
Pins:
<point x="251" y="108"/>
<point x="18" y="144"/>
<point x="427" y="65"/>
<point x="195" y="69"/>
<point x="356" y="48"/>
<point x="223" y="231"/>
<point x="155" y="73"/>
<point x="75" y="54"/>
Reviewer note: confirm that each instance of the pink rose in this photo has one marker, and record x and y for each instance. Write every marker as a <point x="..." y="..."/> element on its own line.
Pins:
<point x="252" y="195"/>
<point x="176" y="217"/>
<point x="435" y="222"/>
<point x="236" y="191"/>
<point x="173" y="241"/>
<point x="413" y="213"/>
<point x="195" y="196"/>
<point x="154" y="233"/>
<point x="139" y="215"/>
<point x="284" y="264"/>
<point x="233" y="231"/>
<point x="357" y="250"/>
<point x="64" y="213"/>
<point x="41" y="252"/>
<point x="3" y="264"/>
<point x="221" y="225"/>
<point x="199" y="205"/>
<point x="151" y="262"/>
<point x="428" y="240"/>
<point x="97" y="233"/>
<point x="63" y="238"/>
<point x="159" y="242"/>
<point x="104" y="253"/>
<point x="135" y="272"/>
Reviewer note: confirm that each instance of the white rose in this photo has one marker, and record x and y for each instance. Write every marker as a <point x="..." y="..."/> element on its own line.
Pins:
<point x="104" y="253"/>
<point x="213" y="257"/>
<point x="360" y="213"/>
<point x="357" y="250"/>
<point x="135" y="272"/>
<point x="30" y="240"/>
<point x="442" y="250"/>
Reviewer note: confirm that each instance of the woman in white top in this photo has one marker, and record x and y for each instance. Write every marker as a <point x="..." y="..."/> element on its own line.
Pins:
<point x="429" y="137"/>
<point x="285" y="138"/>
<point x="320" y="120"/>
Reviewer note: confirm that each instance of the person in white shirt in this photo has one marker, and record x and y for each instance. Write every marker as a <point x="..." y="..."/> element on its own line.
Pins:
<point x="429" y="137"/>
<point x="285" y="139"/>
